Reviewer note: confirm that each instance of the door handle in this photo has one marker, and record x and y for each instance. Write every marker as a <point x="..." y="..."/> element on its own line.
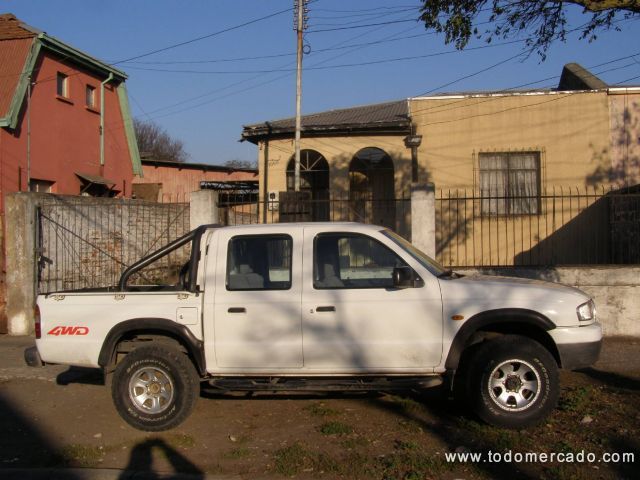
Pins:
<point x="237" y="310"/>
<point x="326" y="309"/>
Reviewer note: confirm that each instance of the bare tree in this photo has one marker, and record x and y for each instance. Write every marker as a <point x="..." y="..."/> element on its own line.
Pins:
<point x="156" y="141"/>
<point x="237" y="163"/>
<point x="542" y="21"/>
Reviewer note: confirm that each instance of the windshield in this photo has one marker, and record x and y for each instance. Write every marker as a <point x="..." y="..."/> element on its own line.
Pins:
<point x="426" y="261"/>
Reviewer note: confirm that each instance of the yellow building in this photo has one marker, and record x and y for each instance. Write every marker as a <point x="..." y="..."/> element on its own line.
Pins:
<point x="501" y="163"/>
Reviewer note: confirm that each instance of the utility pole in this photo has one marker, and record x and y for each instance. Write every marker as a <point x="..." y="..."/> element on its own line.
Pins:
<point x="300" y="11"/>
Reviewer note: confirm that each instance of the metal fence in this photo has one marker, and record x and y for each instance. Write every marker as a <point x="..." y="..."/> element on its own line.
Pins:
<point x="564" y="226"/>
<point x="88" y="242"/>
<point x="394" y="213"/>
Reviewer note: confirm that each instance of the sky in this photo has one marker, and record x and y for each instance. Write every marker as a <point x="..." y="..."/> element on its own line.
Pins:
<point x="237" y="64"/>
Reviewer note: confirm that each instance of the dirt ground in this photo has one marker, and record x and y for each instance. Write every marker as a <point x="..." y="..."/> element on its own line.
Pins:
<point x="63" y="417"/>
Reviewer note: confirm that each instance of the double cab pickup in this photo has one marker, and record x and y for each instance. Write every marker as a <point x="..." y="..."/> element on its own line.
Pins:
<point x="317" y="306"/>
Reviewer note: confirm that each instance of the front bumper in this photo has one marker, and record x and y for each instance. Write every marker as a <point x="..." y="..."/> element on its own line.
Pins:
<point x="32" y="357"/>
<point x="578" y="347"/>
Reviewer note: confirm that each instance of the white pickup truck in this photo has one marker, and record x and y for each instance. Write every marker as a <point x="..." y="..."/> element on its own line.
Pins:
<point x="318" y="306"/>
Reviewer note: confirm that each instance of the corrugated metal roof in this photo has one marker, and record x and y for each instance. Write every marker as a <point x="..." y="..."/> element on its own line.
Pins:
<point x="390" y="114"/>
<point x="13" y="55"/>
<point x="97" y="179"/>
<point x="195" y="166"/>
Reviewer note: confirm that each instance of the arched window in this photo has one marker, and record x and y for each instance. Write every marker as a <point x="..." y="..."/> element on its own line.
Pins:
<point x="371" y="187"/>
<point x="314" y="178"/>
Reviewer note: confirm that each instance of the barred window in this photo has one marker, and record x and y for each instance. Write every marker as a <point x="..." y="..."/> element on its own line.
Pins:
<point x="510" y="183"/>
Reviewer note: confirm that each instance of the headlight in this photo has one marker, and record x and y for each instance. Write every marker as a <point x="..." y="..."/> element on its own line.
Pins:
<point x="587" y="311"/>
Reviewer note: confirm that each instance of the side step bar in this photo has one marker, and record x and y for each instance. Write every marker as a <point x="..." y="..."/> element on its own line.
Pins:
<point x="342" y="384"/>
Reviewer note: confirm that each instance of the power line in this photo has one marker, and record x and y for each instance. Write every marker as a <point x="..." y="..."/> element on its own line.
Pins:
<point x="364" y="9"/>
<point x="465" y="77"/>
<point x="390" y="22"/>
<point x="327" y="67"/>
<point x="355" y="22"/>
<point x="287" y="54"/>
<point x="438" y="108"/>
<point x="253" y="78"/>
<point x="627" y="80"/>
<point x="288" y="73"/>
<point x="375" y="14"/>
<point x="203" y="37"/>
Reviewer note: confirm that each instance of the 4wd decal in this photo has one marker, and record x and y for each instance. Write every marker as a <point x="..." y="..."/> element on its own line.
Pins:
<point x="68" y="331"/>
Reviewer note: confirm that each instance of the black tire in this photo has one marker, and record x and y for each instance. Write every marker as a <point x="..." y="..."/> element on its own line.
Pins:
<point x="155" y="387"/>
<point x="512" y="382"/>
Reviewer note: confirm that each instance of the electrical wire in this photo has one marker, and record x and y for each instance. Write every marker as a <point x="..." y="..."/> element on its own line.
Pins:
<point x="203" y="37"/>
<point x="255" y="77"/>
<point x="390" y="22"/>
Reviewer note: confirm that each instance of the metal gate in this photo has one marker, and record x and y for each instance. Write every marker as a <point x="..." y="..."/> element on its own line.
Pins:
<point x="88" y="242"/>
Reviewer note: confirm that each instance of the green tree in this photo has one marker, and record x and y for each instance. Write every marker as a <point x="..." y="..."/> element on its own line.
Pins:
<point x="542" y="22"/>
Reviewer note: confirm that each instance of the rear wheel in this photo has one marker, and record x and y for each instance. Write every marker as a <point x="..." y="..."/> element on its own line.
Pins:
<point x="155" y="387"/>
<point x="512" y="382"/>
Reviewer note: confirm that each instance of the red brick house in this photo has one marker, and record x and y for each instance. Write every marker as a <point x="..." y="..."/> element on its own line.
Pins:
<point x="65" y="125"/>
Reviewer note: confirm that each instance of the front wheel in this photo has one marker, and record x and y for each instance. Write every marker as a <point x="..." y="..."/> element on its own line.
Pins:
<point x="155" y="387"/>
<point x="513" y="382"/>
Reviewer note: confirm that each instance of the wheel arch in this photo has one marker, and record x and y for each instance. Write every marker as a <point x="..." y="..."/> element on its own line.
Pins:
<point x="516" y="321"/>
<point x="153" y="326"/>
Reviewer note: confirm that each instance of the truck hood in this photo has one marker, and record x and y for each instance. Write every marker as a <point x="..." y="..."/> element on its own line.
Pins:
<point x="472" y="294"/>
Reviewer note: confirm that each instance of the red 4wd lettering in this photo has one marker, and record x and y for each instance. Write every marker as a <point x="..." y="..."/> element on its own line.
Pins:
<point x="68" y="331"/>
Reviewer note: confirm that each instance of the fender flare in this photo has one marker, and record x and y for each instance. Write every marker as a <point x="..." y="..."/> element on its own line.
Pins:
<point x="159" y="326"/>
<point x="521" y="316"/>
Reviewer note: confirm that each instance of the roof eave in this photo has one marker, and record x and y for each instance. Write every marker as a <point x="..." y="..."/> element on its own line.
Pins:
<point x="11" y="120"/>
<point x="196" y="166"/>
<point x="61" y="48"/>
<point x="257" y="134"/>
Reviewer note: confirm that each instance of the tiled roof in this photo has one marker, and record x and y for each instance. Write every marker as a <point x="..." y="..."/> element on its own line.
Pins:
<point x="12" y="28"/>
<point x="16" y="39"/>
<point x="13" y="55"/>
<point x="393" y="115"/>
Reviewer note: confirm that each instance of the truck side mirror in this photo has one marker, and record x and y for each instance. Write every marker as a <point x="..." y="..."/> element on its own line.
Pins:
<point x="405" y="277"/>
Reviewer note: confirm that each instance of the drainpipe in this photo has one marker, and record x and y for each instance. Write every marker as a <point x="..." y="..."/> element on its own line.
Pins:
<point x="28" y="135"/>
<point x="102" y="84"/>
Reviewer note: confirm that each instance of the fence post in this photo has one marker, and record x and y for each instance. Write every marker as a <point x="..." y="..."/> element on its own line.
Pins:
<point x="203" y="208"/>
<point x="20" y="262"/>
<point x="423" y="217"/>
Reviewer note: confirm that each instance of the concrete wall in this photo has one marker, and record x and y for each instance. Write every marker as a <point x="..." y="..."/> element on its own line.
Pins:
<point x="86" y="242"/>
<point x="20" y="262"/>
<point x="616" y="291"/>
